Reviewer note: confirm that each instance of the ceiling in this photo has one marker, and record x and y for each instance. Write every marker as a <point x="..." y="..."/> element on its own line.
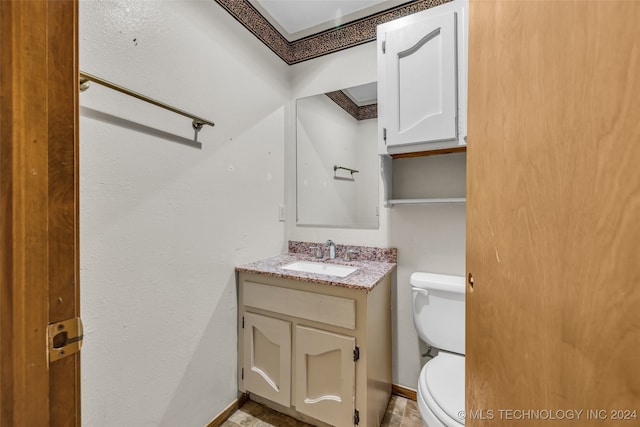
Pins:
<point x="295" y="19"/>
<point x="299" y="30"/>
<point x="365" y="94"/>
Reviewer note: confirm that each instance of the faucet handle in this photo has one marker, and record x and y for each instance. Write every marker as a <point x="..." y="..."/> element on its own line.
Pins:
<point x="319" y="251"/>
<point x="348" y="252"/>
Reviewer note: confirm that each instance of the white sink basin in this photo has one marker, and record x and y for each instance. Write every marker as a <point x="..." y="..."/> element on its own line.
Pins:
<point x="320" y="268"/>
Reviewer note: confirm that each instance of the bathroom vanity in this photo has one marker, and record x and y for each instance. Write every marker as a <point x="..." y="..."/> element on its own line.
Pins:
<point x="316" y="346"/>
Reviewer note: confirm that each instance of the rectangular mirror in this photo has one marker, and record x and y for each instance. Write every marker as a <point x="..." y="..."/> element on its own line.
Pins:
<point x="337" y="160"/>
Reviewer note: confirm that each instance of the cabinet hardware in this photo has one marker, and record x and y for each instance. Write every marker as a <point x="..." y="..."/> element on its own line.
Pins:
<point x="65" y="338"/>
<point x="242" y="322"/>
<point x="384" y="135"/>
<point x="356" y="354"/>
<point x="384" y="46"/>
<point x="242" y="376"/>
<point x="356" y="417"/>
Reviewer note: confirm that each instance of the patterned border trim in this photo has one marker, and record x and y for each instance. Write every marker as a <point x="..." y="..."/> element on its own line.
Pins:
<point x="359" y="113"/>
<point x="345" y="36"/>
<point x="365" y="253"/>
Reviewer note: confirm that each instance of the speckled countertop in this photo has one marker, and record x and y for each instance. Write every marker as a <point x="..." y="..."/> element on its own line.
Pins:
<point x="366" y="277"/>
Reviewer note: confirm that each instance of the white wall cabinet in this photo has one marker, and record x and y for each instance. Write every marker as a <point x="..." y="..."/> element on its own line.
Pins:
<point x="317" y="352"/>
<point x="422" y="80"/>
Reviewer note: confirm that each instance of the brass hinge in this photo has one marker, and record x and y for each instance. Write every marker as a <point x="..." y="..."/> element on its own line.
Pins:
<point x="356" y="417"/>
<point x="65" y="338"/>
<point x="356" y="354"/>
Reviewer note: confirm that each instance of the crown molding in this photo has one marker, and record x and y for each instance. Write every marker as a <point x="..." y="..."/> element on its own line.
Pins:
<point x="357" y="112"/>
<point x="333" y="40"/>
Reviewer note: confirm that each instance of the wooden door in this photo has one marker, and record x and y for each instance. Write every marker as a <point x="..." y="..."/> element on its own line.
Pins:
<point x="553" y="209"/>
<point x="267" y="357"/>
<point x="419" y="94"/>
<point x="38" y="210"/>
<point x="325" y="376"/>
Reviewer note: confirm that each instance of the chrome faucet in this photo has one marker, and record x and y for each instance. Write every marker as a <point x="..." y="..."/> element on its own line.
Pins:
<point x="332" y="249"/>
<point x="319" y="251"/>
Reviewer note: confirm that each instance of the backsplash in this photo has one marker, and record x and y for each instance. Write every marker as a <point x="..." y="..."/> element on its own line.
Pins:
<point x="365" y="253"/>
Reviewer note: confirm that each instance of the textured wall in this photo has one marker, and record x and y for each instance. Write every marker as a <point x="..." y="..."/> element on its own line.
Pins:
<point x="163" y="223"/>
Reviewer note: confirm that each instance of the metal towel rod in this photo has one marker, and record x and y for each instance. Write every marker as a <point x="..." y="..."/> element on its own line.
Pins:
<point x="335" y="168"/>
<point x="197" y="123"/>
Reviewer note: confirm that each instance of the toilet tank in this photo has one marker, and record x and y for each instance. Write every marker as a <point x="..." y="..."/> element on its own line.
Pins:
<point x="438" y="310"/>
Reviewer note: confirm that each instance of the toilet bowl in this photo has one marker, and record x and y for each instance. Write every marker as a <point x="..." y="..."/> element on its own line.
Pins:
<point x="438" y="307"/>
<point x="441" y="391"/>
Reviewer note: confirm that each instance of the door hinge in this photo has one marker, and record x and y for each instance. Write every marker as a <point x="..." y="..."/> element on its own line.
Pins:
<point x="356" y="417"/>
<point x="356" y="354"/>
<point x="242" y="322"/>
<point x="384" y="135"/>
<point x="65" y="338"/>
<point x="242" y="376"/>
<point x="384" y="46"/>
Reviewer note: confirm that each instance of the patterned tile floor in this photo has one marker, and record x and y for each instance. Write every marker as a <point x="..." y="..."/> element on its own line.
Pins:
<point x="401" y="412"/>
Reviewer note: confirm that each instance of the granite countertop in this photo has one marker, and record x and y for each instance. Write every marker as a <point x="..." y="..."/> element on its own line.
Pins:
<point x="368" y="275"/>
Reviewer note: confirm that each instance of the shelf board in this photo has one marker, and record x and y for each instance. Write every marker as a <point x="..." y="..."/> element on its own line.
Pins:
<point x="457" y="149"/>
<point x="427" y="201"/>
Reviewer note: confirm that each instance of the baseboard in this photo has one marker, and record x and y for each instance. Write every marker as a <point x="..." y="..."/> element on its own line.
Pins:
<point x="226" y="413"/>
<point x="406" y="392"/>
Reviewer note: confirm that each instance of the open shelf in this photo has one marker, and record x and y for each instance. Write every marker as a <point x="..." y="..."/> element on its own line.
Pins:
<point x="441" y="179"/>
<point x="426" y="201"/>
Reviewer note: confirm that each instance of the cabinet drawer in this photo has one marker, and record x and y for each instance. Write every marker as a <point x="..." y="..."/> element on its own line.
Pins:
<point x="332" y="310"/>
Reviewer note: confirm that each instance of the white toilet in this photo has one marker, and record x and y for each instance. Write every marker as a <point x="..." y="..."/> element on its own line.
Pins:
<point x="438" y="315"/>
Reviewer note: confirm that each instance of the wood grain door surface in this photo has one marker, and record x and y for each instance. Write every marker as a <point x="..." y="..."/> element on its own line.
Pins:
<point x="553" y="212"/>
<point x="38" y="210"/>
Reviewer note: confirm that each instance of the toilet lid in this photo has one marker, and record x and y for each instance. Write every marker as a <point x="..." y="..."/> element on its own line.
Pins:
<point x="444" y="378"/>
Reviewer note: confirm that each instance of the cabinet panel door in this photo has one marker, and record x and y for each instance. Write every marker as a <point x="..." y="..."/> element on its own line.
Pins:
<point x="267" y="357"/>
<point x="421" y="82"/>
<point x="325" y="376"/>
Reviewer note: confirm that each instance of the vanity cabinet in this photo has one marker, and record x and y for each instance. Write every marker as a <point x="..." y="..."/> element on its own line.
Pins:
<point x="317" y="352"/>
<point x="422" y="80"/>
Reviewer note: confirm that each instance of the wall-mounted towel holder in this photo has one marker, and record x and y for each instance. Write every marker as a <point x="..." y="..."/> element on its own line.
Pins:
<point x="198" y="122"/>
<point x="352" y="171"/>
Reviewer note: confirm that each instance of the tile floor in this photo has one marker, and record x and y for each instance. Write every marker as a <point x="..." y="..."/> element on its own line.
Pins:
<point x="401" y="412"/>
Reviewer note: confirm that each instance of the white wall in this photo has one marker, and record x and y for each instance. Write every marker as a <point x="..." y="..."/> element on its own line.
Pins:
<point x="367" y="163"/>
<point x="162" y="223"/>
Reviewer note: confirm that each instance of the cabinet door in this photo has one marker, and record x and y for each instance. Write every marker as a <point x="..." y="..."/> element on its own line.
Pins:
<point x="267" y="357"/>
<point x="420" y="88"/>
<point x="325" y="376"/>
